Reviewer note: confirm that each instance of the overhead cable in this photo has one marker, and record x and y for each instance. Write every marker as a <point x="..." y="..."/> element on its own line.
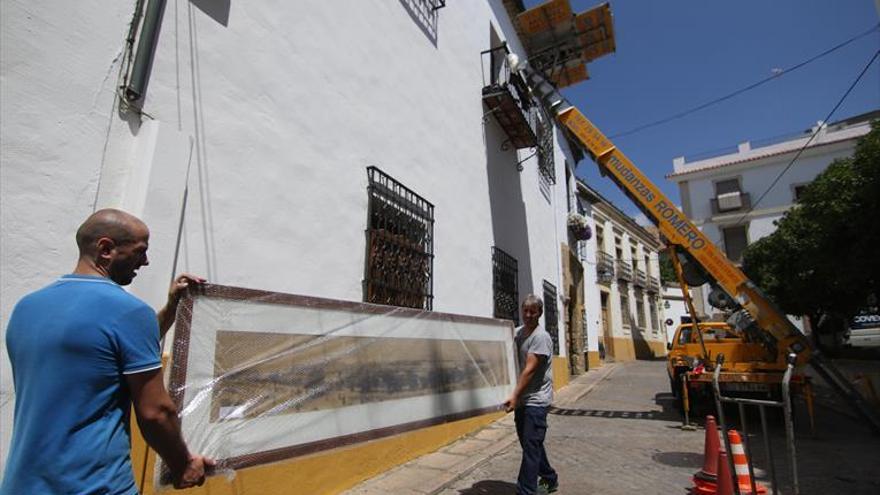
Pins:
<point x="743" y="90"/>
<point x="810" y="140"/>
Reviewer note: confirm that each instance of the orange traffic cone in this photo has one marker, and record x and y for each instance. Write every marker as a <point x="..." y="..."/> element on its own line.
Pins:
<point x="725" y="481"/>
<point x="705" y="479"/>
<point x="741" y="465"/>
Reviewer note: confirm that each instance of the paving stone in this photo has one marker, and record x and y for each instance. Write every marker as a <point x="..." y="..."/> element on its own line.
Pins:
<point x="618" y="432"/>
<point x="493" y="434"/>
<point x="439" y="460"/>
<point x="468" y="446"/>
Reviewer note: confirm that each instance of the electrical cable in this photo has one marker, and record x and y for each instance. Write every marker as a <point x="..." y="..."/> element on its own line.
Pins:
<point x="810" y="140"/>
<point x="743" y="90"/>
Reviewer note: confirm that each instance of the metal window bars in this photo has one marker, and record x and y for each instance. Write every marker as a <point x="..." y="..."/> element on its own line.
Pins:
<point x="506" y="95"/>
<point x="551" y="314"/>
<point x="400" y="244"/>
<point x="504" y="286"/>
<point x="546" y="163"/>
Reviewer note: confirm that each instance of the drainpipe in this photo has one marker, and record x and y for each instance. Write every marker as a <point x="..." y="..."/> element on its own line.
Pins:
<point x="143" y="60"/>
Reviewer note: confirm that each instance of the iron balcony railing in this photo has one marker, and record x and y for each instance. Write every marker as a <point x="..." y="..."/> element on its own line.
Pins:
<point x="641" y="279"/>
<point x="624" y="271"/>
<point x="604" y="268"/>
<point x="506" y="97"/>
<point x="653" y="284"/>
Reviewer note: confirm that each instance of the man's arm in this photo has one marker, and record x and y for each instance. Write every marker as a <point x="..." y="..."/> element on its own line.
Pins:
<point x="157" y="419"/>
<point x="533" y="362"/>
<point x="167" y="314"/>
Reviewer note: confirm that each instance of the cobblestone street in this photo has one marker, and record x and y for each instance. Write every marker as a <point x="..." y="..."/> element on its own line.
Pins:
<point x="625" y="437"/>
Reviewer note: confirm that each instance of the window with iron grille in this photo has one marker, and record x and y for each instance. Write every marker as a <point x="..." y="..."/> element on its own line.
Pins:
<point x="625" y="313"/>
<point x="504" y="286"/>
<point x="400" y="245"/>
<point x="640" y="308"/>
<point x="652" y="305"/>
<point x="551" y="315"/>
<point x="545" y="150"/>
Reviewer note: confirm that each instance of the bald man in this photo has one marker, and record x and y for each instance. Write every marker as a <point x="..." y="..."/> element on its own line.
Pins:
<point x="83" y="350"/>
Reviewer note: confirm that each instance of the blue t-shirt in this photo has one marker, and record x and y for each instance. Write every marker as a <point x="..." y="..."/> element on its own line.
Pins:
<point x="70" y="345"/>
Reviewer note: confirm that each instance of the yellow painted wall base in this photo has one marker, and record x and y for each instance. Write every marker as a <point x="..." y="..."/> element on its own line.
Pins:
<point x="561" y="372"/>
<point x="658" y="348"/>
<point x="325" y="473"/>
<point x="623" y="349"/>
<point x="628" y="349"/>
<point x="593" y="360"/>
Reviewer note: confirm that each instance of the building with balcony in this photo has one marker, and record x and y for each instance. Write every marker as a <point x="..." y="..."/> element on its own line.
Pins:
<point x="736" y="197"/>
<point x="625" y="260"/>
<point x="356" y="154"/>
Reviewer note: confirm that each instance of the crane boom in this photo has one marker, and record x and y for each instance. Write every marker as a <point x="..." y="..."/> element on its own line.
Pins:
<point x="757" y="313"/>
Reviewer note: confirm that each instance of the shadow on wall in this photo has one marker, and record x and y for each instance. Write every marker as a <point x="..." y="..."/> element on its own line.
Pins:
<point x="640" y="344"/>
<point x="215" y="9"/>
<point x="424" y="14"/>
<point x="509" y="226"/>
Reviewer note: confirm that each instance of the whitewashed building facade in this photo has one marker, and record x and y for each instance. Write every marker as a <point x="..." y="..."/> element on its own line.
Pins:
<point x="736" y="197"/>
<point x="624" y="258"/>
<point x="257" y="143"/>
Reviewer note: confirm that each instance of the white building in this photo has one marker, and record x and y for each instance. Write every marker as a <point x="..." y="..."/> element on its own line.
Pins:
<point x="257" y="149"/>
<point x="624" y="258"/>
<point x="674" y="309"/>
<point x="735" y="198"/>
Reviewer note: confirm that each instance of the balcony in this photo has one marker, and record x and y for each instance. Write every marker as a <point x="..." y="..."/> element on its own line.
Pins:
<point x="641" y="279"/>
<point x="624" y="271"/>
<point x="653" y="285"/>
<point x="604" y="268"/>
<point x="730" y="203"/>
<point x="506" y="97"/>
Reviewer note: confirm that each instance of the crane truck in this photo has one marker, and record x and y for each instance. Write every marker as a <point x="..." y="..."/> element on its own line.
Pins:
<point x="760" y="326"/>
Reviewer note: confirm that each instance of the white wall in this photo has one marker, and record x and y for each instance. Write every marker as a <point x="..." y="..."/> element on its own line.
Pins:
<point x="269" y="113"/>
<point x="756" y="169"/>
<point x="672" y="296"/>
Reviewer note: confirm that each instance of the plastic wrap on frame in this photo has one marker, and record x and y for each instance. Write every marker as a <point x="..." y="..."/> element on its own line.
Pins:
<point x="259" y="376"/>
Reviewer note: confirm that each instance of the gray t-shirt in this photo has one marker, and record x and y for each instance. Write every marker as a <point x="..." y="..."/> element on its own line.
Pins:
<point x="539" y="391"/>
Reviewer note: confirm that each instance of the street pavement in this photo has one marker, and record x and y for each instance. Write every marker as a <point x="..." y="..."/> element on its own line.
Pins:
<point x="615" y="431"/>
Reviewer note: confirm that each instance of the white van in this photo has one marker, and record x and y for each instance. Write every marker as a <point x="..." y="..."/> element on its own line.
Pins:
<point x="864" y="329"/>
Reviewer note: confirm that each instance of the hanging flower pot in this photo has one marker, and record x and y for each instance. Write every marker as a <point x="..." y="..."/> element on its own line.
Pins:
<point x="579" y="226"/>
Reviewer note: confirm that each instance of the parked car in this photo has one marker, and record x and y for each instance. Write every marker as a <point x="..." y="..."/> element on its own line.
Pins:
<point x="864" y="329"/>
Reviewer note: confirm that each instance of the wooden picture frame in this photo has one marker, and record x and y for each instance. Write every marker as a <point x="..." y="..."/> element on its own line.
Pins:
<point x="260" y="376"/>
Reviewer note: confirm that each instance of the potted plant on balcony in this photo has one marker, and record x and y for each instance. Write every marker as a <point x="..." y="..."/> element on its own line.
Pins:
<point x="579" y="226"/>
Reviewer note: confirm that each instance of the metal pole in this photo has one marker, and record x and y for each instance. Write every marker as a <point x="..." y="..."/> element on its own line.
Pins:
<point x="748" y="444"/>
<point x="789" y="427"/>
<point x="146" y="48"/>
<point x="719" y="360"/>
<point x="768" y="449"/>
<point x="685" y="401"/>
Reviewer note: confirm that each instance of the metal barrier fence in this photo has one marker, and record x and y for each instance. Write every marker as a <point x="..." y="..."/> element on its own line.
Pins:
<point x="784" y="404"/>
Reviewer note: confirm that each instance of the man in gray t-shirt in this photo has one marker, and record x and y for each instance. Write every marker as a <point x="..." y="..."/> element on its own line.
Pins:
<point x="531" y="400"/>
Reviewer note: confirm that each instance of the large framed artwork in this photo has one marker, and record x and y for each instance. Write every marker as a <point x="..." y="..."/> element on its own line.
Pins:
<point x="263" y="376"/>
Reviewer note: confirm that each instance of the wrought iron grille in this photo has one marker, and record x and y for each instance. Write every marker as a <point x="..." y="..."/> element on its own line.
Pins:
<point x="400" y="245"/>
<point x="551" y="315"/>
<point x="504" y="286"/>
<point x="545" y="150"/>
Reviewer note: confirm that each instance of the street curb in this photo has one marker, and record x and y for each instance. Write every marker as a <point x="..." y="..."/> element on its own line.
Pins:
<point x="479" y="447"/>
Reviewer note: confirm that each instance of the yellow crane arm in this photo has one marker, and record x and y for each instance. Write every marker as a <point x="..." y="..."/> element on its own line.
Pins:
<point x="677" y="228"/>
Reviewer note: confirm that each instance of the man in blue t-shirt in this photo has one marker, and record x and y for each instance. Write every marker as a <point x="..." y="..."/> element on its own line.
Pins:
<point x="83" y="351"/>
<point x="531" y="400"/>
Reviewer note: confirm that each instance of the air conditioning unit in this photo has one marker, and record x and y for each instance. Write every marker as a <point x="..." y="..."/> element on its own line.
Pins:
<point x="729" y="201"/>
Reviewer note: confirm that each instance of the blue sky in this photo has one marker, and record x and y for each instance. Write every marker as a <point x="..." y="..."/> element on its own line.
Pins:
<point x="677" y="54"/>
